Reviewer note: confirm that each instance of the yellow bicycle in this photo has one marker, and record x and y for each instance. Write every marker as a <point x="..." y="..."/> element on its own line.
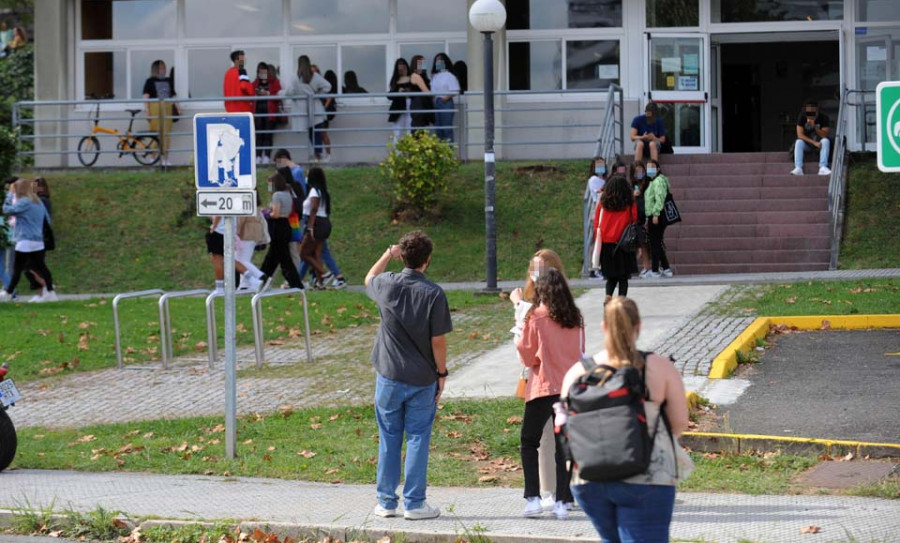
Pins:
<point x="143" y="147"/>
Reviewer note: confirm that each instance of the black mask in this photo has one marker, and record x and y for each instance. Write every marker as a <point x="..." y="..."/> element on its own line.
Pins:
<point x="810" y="113"/>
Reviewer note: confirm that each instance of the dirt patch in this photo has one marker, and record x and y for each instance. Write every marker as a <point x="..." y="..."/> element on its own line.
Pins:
<point x="542" y="171"/>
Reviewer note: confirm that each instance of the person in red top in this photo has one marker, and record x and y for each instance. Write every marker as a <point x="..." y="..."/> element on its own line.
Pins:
<point x="265" y="84"/>
<point x="616" y="211"/>
<point x="237" y="83"/>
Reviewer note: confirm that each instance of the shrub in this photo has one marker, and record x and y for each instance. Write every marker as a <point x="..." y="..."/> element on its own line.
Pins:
<point x="17" y="74"/>
<point x="418" y="167"/>
<point x="7" y="152"/>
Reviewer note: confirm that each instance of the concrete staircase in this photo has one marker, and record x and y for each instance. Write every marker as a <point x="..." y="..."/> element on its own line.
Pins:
<point x="745" y="213"/>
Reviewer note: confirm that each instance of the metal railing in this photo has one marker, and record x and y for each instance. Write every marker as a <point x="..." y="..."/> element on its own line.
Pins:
<point x="115" y="308"/>
<point x="259" y="330"/>
<point x="212" y="335"/>
<point x="165" y="321"/>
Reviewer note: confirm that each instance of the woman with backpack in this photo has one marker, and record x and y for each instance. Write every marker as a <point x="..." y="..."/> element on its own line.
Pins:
<point x="654" y="201"/>
<point x="636" y="508"/>
<point x="551" y="341"/>
<point x="614" y="213"/>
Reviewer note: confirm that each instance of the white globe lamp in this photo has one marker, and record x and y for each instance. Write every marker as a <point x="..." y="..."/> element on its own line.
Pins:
<point x="487" y="15"/>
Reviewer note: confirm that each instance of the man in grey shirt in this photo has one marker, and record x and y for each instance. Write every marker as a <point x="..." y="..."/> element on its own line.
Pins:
<point x="410" y="357"/>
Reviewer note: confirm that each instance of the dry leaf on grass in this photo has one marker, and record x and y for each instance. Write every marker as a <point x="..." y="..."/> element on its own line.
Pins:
<point x="514" y="420"/>
<point x="810" y="530"/>
<point x="306" y="454"/>
<point x="487" y="479"/>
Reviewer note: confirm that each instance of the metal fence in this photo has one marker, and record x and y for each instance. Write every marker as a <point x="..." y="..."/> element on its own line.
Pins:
<point x="530" y="125"/>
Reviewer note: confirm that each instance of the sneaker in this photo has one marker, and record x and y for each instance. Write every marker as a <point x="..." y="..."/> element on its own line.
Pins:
<point x="49" y="296"/>
<point x="824" y="170"/>
<point x="384" y="512"/>
<point x="797" y="171"/>
<point x="166" y="163"/>
<point x="4" y="296"/>
<point x="325" y="279"/>
<point x="264" y="283"/>
<point x="652" y="275"/>
<point x="258" y="160"/>
<point x="339" y="283"/>
<point x="265" y="159"/>
<point x="668" y="272"/>
<point x="561" y="511"/>
<point x="219" y="291"/>
<point x="644" y="274"/>
<point x="533" y="507"/>
<point x="547" y="502"/>
<point x="37" y="298"/>
<point x="422" y="513"/>
<point x="327" y="157"/>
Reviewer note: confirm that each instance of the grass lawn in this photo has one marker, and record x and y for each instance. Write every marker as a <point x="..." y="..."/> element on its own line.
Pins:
<point x="872" y="225"/>
<point x="132" y="230"/>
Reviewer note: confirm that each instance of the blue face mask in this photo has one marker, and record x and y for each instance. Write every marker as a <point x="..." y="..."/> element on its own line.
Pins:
<point x="638" y="175"/>
<point x="651" y="172"/>
<point x="600" y="170"/>
<point x="439" y="66"/>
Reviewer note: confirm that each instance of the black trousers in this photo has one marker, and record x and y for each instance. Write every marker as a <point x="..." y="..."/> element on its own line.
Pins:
<point x="621" y="282"/>
<point x="263" y="139"/>
<point x="657" y="246"/>
<point x="30" y="261"/>
<point x="279" y="253"/>
<point x="537" y="411"/>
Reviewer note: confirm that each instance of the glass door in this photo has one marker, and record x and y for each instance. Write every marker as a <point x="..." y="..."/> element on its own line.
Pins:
<point x="678" y="81"/>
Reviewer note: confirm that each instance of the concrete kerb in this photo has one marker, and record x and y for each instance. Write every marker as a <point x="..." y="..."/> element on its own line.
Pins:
<point x="742" y="443"/>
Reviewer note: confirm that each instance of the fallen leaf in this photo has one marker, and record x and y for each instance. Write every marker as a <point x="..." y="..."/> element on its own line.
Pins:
<point x="306" y="454"/>
<point x="826" y="325"/>
<point x="87" y="438"/>
<point x="514" y="420"/>
<point x="454" y="435"/>
<point x="271" y="448"/>
<point x="248" y="442"/>
<point x="331" y="471"/>
<point x="487" y="479"/>
<point x="810" y="530"/>
<point x="334" y="417"/>
<point x="315" y="426"/>
<point x="148" y="435"/>
<point x="200" y="346"/>
<point x="791" y="300"/>
<point x="846" y="458"/>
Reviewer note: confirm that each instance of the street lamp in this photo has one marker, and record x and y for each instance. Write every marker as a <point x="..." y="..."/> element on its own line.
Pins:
<point x="487" y="17"/>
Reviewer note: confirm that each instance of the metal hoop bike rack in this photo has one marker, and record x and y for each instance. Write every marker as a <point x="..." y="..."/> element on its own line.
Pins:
<point x="165" y="321"/>
<point x="258" y="329"/>
<point x="115" y="307"/>
<point x="211" y="335"/>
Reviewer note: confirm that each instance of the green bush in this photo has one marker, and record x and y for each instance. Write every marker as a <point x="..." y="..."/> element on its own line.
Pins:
<point x="418" y="167"/>
<point x="17" y="74"/>
<point x="7" y="152"/>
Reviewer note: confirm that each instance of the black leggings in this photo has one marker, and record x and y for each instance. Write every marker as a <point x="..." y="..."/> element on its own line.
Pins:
<point x="611" y="286"/>
<point x="537" y="411"/>
<point x="30" y="261"/>
<point x="657" y="246"/>
<point x="263" y="139"/>
<point x="280" y="253"/>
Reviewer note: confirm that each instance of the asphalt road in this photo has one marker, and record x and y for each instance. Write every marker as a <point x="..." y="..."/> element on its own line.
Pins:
<point x="824" y="384"/>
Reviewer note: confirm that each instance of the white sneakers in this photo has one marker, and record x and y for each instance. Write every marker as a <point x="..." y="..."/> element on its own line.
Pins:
<point x="533" y="507"/>
<point x="667" y="272"/>
<point x="824" y="171"/>
<point x="422" y="513"/>
<point x="561" y="511"/>
<point x="384" y="512"/>
<point x="536" y="506"/>
<point x="797" y="171"/>
<point x="44" y="296"/>
<point x="5" y="296"/>
<point x="548" y="501"/>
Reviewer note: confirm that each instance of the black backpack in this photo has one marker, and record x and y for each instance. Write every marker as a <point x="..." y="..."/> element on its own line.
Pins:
<point x="607" y="438"/>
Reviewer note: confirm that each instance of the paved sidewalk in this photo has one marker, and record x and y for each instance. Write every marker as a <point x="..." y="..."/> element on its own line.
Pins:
<point x="712" y="518"/>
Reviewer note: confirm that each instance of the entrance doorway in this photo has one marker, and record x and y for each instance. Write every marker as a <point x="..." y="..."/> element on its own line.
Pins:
<point x="763" y="86"/>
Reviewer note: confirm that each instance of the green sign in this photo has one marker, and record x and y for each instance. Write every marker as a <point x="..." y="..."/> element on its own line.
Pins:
<point x="887" y="100"/>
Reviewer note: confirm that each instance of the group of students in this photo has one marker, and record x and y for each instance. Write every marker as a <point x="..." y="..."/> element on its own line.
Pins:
<point x="550" y="339"/>
<point x="11" y="38"/>
<point x="420" y="111"/>
<point x="294" y="230"/>
<point x="26" y="220"/>
<point x="619" y="197"/>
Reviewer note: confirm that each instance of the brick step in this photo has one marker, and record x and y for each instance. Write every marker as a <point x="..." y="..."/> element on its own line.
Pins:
<point x="726" y="158"/>
<point x="751" y="257"/>
<point x="692" y="231"/>
<point x="704" y="269"/>
<point x="709" y="217"/>
<point x="750" y="193"/>
<point x="746" y="181"/>
<point x="683" y="244"/>
<point x="724" y="171"/>
<point x="690" y="206"/>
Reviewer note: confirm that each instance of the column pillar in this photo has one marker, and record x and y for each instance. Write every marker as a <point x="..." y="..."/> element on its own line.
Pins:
<point x="52" y="71"/>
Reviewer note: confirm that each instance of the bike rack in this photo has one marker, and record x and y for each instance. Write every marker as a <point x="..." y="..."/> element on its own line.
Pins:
<point x="211" y="335"/>
<point x="258" y="330"/>
<point x="115" y="307"/>
<point x="165" y="321"/>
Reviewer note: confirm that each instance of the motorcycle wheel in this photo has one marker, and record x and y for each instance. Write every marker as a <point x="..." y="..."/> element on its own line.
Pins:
<point x="8" y="440"/>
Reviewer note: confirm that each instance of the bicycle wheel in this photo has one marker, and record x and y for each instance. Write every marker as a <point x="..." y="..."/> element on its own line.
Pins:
<point x="88" y="151"/>
<point x="146" y="150"/>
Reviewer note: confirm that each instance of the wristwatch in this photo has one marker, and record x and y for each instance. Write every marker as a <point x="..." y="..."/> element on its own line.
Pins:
<point x="445" y="374"/>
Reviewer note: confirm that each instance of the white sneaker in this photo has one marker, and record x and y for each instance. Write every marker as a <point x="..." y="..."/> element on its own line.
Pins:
<point x="422" y="513"/>
<point x="561" y="511"/>
<point x="327" y="157"/>
<point x="824" y="170"/>
<point x="167" y="163"/>
<point x="652" y="275"/>
<point x="338" y="283"/>
<point x="219" y="290"/>
<point x="49" y="296"/>
<point x="265" y="159"/>
<point x="258" y="160"/>
<point x="668" y="272"/>
<point x="37" y="298"/>
<point x="5" y="296"/>
<point x="548" y="501"/>
<point x="644" y="274"/>
<point x="533" y="507"/>
<point x="384" y="512"/>
<point x="797" y="171"/>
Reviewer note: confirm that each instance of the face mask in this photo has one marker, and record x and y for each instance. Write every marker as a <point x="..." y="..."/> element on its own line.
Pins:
<point x="161" y="75"/>
<point x="270" y="187"/>
<point x="651" y="172"/>
<point x="600" y="170"/>
<point x="810" y="113"/>
<point x="439" y="65"/>
<point x="263" y="76"/>
<point x="639" y="175"/>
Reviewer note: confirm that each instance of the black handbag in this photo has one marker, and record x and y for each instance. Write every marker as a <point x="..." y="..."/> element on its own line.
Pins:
<point x="49" y="238"/>
<point x="670" y="213"/>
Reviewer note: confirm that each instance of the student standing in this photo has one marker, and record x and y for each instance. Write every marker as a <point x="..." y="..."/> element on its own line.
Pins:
<point x="237" y="84"/>
<point x="654" y="201"/>
<point x="159" y="86"/>
<point x="639" y="182"/>
<point x="420" y="106"/>
<point x="443" y="81"/>
<point x="400" y="105"/>
<point x="265" y="84"/>
<point x="306" y="84"/>
<point x="617" y="212"/>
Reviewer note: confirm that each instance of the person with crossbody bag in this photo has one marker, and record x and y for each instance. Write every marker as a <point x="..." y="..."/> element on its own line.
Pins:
<point x="618" y="212"/>
<point x="621" y="433"/>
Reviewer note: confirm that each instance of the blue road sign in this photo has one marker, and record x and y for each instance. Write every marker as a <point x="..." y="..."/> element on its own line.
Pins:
<point x="224" y="151"/>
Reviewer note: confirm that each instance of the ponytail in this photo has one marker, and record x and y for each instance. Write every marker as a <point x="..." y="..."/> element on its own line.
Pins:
<point x="622" y="317"/>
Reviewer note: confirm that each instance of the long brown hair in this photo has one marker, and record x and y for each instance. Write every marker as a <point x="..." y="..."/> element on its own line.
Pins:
<point x="551" y="260"/>
<point x="552" y="291"/>
<point x="24" y="188"/>
<point x="622" y="318"/>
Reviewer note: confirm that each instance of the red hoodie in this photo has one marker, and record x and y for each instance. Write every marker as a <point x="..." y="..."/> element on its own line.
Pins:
<point x="233" y="86"/>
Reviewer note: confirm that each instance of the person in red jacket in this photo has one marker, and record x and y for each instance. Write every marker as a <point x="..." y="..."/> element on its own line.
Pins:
<point x="266" y="111"/>
<point x="237" y="83"/>
<point x="616" y="211"/>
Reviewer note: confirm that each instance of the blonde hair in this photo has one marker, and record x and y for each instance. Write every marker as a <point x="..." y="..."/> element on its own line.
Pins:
<point x="24" y="188"/>
<point x="621" y="317"/>
<point x="552" y="260"/>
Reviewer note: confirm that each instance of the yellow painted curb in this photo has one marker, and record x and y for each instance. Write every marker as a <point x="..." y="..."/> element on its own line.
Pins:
<point x="827" y="443"/>
<point x="725" y="362"/>
<point x="693" y="400"/>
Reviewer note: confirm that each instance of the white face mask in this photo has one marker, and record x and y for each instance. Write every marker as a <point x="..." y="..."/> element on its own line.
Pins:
<point x="270" y="187"/>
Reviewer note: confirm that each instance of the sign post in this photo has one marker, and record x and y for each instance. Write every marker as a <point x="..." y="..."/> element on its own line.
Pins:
<point x="887" y="102"/>
<point x="225" y="175"/>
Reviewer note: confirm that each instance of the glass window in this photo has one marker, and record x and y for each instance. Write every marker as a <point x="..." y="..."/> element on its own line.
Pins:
<point x="877" y="60"/>
<point x="683" y="124"/>
<point x="340" y="16"/>
<point x="105" y="74"/>
<point x="323" y="56"/>
<point x="217" y="19"/>
<point x="878" y="10"/>
<point x="676" y="64"/>
<point x="141" y="61"/>
<point x="748" y="11"/>
<point x="592" y="64"/>
<point x="427" y="50"/>
<point x="368" y="63"/>
<point x="254" y="55"/>
<point x="422" y="16"/>
<point x="557" y="14"/>
<point x="127" y="20"/>
<point x="206" y="71"/>
<point x="668" y="13"/>
<point x="459" y="50"/>
<point x="535" y="65"/>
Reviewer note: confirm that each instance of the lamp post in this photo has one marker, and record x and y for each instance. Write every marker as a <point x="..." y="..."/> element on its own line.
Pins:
<point x="487" y="17"/>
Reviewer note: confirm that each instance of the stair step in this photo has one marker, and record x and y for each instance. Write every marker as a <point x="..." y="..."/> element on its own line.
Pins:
<point x="781" y="157"/>
<point x="746" y="181"/>
<point x="751" y="257"/>
<point x="690" y="206"/>
<point x="751" y="244"/>
<point x="693" y="231"/>
<point x="750" y="193"/>
<point x="709" y="217"/>
<point x="737" y="267"/>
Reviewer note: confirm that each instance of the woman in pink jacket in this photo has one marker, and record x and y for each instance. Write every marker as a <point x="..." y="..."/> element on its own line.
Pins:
<point x="551" y="342"/>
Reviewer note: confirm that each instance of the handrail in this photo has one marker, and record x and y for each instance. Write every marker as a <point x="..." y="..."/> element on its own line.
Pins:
<point x="165" y="322"/>
<point x="115" y="308"/>
<point x="212" y="336"/>
<point x="259" y="330"/>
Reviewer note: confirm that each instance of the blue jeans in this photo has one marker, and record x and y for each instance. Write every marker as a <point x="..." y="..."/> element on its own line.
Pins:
<point x="315" y="138"/>
<point x="400" y="407"/>
<point x="443" y="119"/>
<point x="626" y="513"/>
<point x="7" y="258"/>
<point x="801" y="147"/>
<point x="326" y="258"/>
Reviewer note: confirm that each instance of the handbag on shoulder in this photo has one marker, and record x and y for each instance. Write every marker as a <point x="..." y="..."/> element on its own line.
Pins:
<point x="670" y="213"/>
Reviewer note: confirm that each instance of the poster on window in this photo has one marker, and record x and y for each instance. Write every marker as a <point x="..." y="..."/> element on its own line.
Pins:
<point x="688" y="83"/>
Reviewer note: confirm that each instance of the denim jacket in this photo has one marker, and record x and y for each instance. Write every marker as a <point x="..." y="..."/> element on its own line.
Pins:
<point x="29" y="218"/>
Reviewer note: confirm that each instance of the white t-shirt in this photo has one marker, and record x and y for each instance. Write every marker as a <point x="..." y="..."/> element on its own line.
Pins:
<point x="596" y="184"/>
<point x="29" y="246"/>
<point x="307" y="204"/>
<point x="445" y="82"/>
